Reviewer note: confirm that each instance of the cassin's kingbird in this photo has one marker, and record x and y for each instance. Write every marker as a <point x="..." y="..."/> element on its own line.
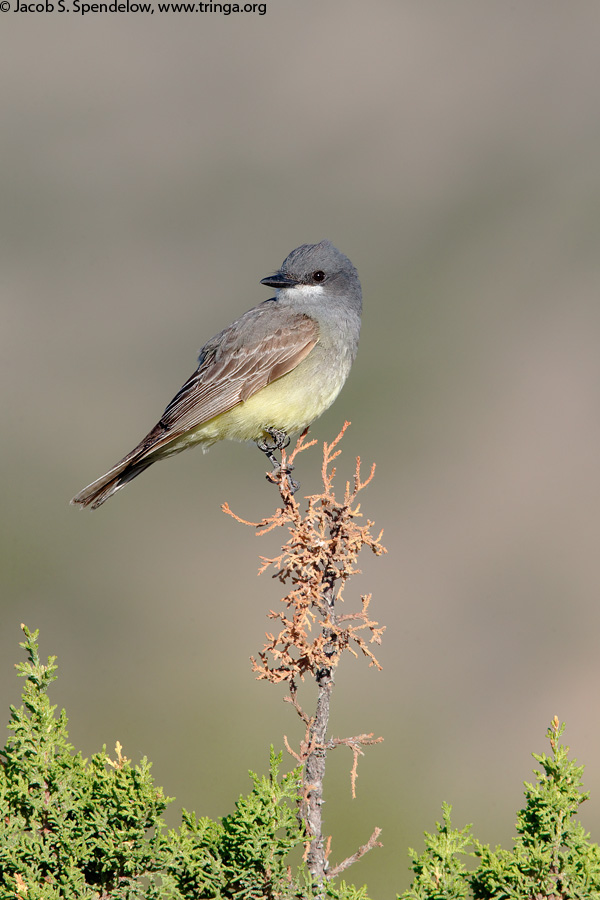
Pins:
<point x="268" y="375"/>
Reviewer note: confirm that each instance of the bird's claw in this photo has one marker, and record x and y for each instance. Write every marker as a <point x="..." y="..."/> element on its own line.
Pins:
<point x="281" y="471"/>
<point x="281" y="475"/>
<point x="281" y="440"/>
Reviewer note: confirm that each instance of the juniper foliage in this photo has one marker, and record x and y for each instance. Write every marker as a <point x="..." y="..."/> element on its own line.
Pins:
<point x="78" y="829"/>
<point x="552" y="857"/>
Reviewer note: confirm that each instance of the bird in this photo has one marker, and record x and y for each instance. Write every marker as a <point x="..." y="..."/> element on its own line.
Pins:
<point x="266" y="376"/>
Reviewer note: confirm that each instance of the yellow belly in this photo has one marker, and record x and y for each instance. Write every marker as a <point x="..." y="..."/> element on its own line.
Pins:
<point x="288" y="404"/>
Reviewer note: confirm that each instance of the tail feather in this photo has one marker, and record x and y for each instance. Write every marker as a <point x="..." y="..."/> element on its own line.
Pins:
<point x="132" y="465"/>
<point x="98" y="492"/>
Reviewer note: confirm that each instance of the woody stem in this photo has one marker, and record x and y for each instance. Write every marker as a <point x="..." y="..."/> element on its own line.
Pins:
<point x="314" y="770"/>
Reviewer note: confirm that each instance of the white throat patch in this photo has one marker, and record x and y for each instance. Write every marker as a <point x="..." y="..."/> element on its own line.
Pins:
<point x="312" y="291"/>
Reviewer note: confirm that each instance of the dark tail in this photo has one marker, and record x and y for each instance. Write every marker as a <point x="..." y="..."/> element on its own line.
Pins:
<point x="132" y="465"/>
<point x="96" y="493"/>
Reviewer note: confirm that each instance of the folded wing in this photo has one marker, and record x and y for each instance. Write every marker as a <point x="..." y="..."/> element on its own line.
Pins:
<point x="258" y="348"/>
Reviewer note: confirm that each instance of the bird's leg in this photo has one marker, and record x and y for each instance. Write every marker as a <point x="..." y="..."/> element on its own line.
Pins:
<point x="280" y="441"/>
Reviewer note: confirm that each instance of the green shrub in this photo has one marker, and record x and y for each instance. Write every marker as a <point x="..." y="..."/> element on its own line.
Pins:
<point x="72" y="828"/>
<point x="552" y="857"/>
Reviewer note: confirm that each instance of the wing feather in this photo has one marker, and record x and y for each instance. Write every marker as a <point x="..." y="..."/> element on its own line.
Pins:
<point x="258" y="348"/>
<point x="238" y="363"/>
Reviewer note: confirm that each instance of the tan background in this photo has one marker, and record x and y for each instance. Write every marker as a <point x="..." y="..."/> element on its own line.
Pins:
<point x="154" y="168"/>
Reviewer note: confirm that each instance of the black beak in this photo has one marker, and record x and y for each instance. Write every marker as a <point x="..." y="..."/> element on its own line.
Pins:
<point x="279" y="280"/>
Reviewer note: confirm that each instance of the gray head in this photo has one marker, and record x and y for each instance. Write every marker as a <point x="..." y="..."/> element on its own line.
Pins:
<point x="319" y="270"/>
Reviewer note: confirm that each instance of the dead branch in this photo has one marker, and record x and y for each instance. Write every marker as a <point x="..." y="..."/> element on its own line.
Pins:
<point x="316" y="562"/>
<point x="372" y="842"/>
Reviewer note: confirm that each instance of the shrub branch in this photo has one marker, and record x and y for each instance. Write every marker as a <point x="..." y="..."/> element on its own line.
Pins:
<point x="317" y="560"/>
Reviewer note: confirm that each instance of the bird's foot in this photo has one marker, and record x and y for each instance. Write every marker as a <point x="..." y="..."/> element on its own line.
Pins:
<point x="281" y="475"/>
<point x="280" y="440"/>
<point x="281" y="472"/>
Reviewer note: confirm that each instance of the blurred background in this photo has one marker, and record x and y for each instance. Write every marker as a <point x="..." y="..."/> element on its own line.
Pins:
<point x="154" y="169"/>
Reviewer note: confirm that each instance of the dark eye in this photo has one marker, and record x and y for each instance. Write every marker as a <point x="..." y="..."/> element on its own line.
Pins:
<point x="318" y="275"/>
